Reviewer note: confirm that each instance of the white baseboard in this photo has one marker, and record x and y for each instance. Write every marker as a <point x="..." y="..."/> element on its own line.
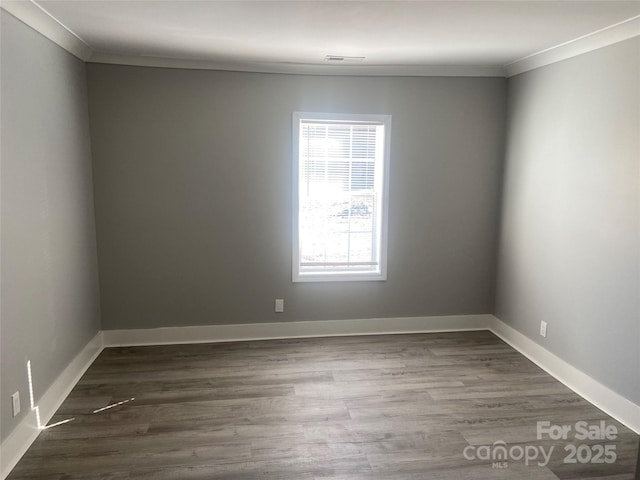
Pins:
<point x="17" y="443"/>
<point x="25" y="433"/>
<point x="318" y="328"/>
<point x="614" y="404"/>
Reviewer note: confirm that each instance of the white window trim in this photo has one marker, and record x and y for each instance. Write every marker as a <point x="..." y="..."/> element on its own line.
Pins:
<point x="379" y="275"/>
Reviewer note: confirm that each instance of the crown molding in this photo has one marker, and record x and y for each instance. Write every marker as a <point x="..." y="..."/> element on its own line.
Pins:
<point x="601" y="38"/>
<point x="303" y="68"/>
<point x="46" y="24"/>
<point x="36" y="17"/>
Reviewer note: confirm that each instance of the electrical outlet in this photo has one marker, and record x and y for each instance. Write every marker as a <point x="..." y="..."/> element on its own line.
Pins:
<point x="279" y="305"/>
<point x="543" y="328"/>
<point x="15" y="403"/>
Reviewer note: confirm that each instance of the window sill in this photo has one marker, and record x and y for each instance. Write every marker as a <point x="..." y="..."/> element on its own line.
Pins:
<point x="339" y="277"/>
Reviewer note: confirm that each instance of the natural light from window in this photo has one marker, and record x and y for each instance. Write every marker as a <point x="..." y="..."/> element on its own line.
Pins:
<point x="341" y="163"/>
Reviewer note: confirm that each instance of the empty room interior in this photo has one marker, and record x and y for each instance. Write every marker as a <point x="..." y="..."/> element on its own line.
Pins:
<point x="314" y="240"/>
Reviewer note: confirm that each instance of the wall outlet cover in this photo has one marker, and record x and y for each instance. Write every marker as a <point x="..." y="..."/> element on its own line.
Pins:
<point x="15" y="403"/>
<point x="279" y="305"/>
<point x="543" y="328"/>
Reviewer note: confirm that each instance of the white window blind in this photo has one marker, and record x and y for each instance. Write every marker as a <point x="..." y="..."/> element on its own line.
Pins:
<point x="340" y="197"/>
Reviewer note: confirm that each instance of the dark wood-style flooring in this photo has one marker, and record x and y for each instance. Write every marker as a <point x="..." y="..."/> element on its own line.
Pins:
<point x="392" y="407"/>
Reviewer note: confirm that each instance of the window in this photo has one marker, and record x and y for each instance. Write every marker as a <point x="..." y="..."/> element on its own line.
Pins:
<point x="340" y="196"/>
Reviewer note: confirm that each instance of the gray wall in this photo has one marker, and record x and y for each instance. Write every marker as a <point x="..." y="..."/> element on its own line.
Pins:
<point x="193" y="195"/>
<point x="570" y="235"/>
<point x="50" y="302"/>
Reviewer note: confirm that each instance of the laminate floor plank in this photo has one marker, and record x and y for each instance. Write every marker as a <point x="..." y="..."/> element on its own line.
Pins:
<point x="388" y="407"/>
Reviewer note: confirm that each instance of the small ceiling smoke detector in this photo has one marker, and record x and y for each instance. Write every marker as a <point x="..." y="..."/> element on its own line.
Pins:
<point x="342" y="58"/>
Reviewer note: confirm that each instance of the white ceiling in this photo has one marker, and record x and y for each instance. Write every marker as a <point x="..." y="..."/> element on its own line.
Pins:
<point x="387" y="33"/>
